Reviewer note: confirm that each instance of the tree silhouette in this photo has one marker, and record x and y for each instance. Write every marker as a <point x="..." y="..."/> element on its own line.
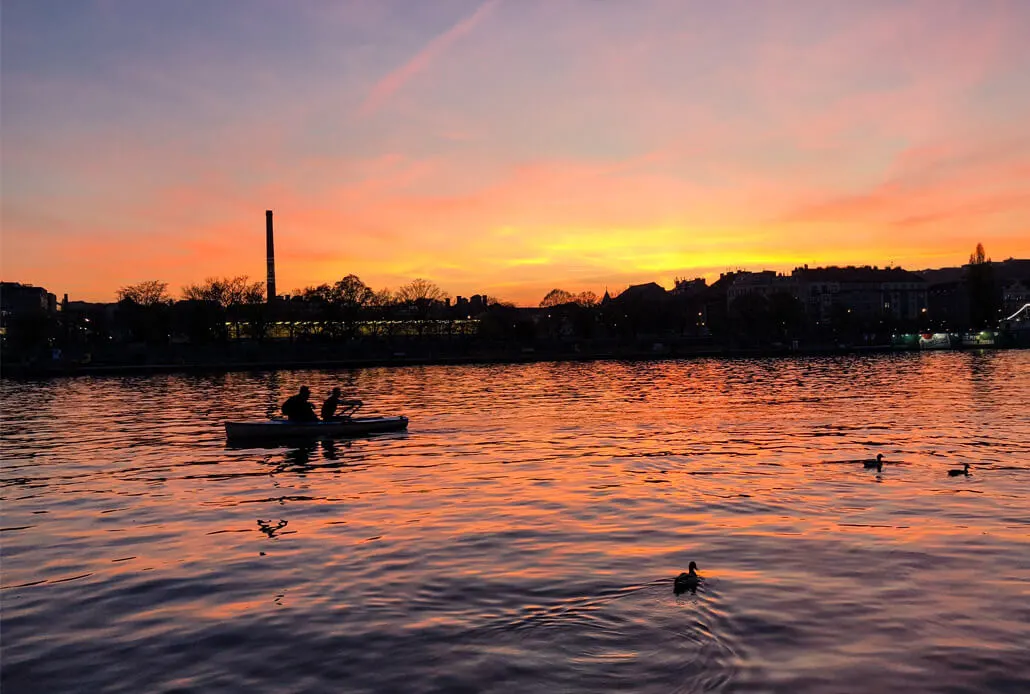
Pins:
<point x="226" y="291"/>
<point x="559" y="297"/>
<point x="377" y="307"/>
<point x="340" y="305"/>
<point x="979" y="256"/>
<point x="420" y="290"/>
<point x="556" y="297"/>
<point x="984" y="300"/>
<point x="587" y="298"/>
<point x="420" y="296"/>
<point x="143" y="311"/>
<point x="752" y="318"/>
<point x="234" y="294"/>
<point x="147" y="293"/>
<point x="201" y="322"/>
<point x="352" y="291"/>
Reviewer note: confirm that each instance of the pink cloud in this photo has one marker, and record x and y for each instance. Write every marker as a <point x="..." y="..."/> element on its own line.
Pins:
<point x="775" y="141"/>
<point x="902" y="72"/>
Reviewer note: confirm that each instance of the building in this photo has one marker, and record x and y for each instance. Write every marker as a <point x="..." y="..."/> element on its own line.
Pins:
<point x="26" y="315"/>
<point x="765" y="283"/>
<point x="1015" y="294"/>
<point x="696" y="287"/>
<point x="470" y="306"/>
<point x="18" y="300"/>
<point x="949" y="301"/>
<point x="948" y="305"/>
<point x="1014" y="280"/>
<point x="867" y="293"/>
<point x="641" y="295"/>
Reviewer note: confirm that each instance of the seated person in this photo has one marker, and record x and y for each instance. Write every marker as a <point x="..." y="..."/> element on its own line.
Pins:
<point x="334" y="401"/>
<point x="297" y="408"/>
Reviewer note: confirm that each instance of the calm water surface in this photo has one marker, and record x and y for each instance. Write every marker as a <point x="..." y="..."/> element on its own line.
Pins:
<point x="523" y="535"/>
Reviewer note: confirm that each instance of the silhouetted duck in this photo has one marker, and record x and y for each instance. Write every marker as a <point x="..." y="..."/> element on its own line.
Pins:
<point x="963" y="471"/>
<point x="687" y="580"/>
<point x="878" y="463"/>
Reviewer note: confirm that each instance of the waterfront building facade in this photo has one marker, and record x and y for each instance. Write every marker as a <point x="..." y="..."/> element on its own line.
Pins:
<point x="868" y="293"/>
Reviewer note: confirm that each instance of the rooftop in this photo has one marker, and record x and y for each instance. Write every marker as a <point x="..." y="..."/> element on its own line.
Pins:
<point x="856" y="274"/>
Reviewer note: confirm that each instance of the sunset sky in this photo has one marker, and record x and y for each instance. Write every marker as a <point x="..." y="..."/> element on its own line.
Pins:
<point x="509" y="146"/>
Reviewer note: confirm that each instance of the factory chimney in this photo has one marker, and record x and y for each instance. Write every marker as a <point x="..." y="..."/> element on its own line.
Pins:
<point x="270" y="253"/>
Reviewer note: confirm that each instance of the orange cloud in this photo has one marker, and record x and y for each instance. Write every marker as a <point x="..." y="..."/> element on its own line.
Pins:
<point x="935" y="183"/>
<point x="582" y="148"/>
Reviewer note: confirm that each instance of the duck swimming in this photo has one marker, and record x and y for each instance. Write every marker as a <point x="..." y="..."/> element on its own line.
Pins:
<point x="688" y="580"/>
<point x="963" y="471"/>
<point x="878" y="463"/>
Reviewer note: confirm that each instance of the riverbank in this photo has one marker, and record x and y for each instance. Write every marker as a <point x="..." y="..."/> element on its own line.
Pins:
<point x="285" y="361"/>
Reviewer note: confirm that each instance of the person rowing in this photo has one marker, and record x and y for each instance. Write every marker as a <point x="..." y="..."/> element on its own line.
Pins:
<point x="298" y="408"/>
<point x="334" y="401"/>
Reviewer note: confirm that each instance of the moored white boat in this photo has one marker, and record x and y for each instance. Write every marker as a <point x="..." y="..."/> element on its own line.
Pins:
<point x="284" y="429"/>
<point x="935" y="341"/>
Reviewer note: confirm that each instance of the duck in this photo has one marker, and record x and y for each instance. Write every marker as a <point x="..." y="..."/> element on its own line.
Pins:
<point x="963" y="471"/>
<point x="878" y="463"/>
<point x="687" y="580"/>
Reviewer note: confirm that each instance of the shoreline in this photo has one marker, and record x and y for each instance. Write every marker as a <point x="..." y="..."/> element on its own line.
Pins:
<point x="37" y="372"/>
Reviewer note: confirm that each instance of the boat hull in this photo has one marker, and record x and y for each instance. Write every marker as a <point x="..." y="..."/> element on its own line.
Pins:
<point x="282" y="429"/>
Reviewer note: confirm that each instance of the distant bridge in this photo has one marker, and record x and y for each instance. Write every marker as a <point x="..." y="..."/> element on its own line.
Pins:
<point x="1020" y="315"/>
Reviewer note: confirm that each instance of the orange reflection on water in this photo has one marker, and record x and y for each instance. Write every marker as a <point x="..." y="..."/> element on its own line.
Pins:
<point x="541" y="496"/>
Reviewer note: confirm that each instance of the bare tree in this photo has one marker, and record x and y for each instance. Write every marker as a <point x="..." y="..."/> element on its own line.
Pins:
<point x="587" y="298"/>
<point x="226" y="291"/>
<point x="352" y="291"/>
<point x="340" y="305"/>
<point x="148" y="293"/>
<point x="322" y="293"/>
<point x="145" y="310"/>
<point x="421" y="290"/>
<point x="979" y="256"/>
<point x="377" y="305"/>
<point x="381" y="299"/>
<point x="421" y="296"/>
<point x="232" y="293"/>
<point x="557" y="297"/>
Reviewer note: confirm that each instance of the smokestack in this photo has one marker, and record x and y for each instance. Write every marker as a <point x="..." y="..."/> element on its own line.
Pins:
<point x="270" y="253"/>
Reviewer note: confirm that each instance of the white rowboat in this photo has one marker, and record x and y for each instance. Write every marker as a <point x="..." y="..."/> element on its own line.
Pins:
<point x="284" y="429"/>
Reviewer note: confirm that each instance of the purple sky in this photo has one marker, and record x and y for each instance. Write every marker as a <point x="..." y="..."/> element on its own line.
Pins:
<point x="507" y="146"/>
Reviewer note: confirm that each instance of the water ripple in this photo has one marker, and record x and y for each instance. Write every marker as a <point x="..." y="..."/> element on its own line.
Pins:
<point x="523" y="534"/>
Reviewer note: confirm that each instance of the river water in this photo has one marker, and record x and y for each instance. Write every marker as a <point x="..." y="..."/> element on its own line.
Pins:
<point x="523" y="535"/>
